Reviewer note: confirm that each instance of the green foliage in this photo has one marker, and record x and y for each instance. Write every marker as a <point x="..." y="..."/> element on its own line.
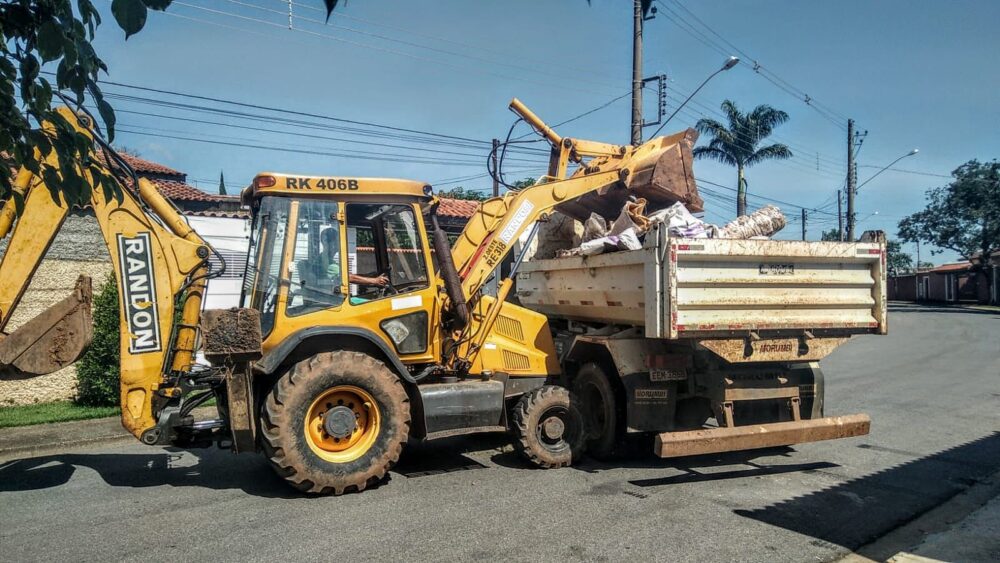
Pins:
<point x="897" y="262"/>
<point x="35" y="33"/>
<point x="523" y="183"/>
<point x="98" y="372"/>
<point x="44" y="413"/>
<point x="738" y="143"/>
<point x="461" y="193"/>
<point x="831" y="235"/>
<point x="222" y="184"/>
<point x="963" y="216"/>
<point x="60" y="32"/>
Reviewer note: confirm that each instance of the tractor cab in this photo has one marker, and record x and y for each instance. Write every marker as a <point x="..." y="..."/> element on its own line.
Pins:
<point x="344" y="256"/>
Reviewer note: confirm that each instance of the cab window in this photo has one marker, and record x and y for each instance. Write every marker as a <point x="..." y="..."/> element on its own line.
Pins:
<point x="384" y="251"/>
<point x="314" y="275"/>
<point x="261" y="285"/>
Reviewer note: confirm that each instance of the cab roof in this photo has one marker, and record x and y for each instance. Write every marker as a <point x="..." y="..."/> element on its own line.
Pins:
<point x="274" y="183"/>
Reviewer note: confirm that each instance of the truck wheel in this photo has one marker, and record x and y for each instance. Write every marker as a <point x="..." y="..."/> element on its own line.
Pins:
<point x="548" y="428"/>
<point x="603" y="415"/>
<point x="335" y="423"/>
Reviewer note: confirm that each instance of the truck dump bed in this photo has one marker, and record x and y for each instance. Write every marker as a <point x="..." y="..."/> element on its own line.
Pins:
<point x="716" y="288"/>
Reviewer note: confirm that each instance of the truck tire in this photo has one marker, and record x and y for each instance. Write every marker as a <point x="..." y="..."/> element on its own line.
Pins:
<point x="548" y="428"/>
<point x="603" y="413"/>
<point x="335" y="423"/>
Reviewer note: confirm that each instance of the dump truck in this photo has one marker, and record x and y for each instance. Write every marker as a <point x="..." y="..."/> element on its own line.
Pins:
<point x="665" y="338"/>
<point x="361" y="327"/>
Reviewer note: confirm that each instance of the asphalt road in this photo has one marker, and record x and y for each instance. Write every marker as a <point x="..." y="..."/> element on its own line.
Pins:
<point x="932" y="388"/>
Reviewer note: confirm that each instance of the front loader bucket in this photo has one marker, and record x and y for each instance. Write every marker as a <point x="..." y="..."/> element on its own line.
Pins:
<point x="51" y="341"/>
<point x="662" y="173"/>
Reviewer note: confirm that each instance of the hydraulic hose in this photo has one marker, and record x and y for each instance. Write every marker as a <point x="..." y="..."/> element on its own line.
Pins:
<point x="452" y="283"/>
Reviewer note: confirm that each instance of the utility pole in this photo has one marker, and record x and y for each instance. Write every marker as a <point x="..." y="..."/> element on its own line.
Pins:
<point x="851" y="178"/>
<point x="637" y="16"/>
<point x="840" y="216"/>
<point x="496" y="173"/>
<point x="803" y="224"/>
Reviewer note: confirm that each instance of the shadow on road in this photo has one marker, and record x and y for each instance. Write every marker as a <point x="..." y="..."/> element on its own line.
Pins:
<point x="215" y="469"/>
<point x="914" y="308"/>
<point x="693" y="469"/>
<point x="446" y="455"/>
<point x="856" y="512"/>
<point x="219" y="469"/>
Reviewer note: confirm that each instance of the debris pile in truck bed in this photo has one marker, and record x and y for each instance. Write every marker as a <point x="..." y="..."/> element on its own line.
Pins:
<point x="627" y="231"/>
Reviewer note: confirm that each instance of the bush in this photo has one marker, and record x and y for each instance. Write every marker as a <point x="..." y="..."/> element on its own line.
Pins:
<point x="98" y="372"/>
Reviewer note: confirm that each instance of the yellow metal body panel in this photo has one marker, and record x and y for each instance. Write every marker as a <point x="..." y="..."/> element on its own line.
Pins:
<point x="519" y="342"/>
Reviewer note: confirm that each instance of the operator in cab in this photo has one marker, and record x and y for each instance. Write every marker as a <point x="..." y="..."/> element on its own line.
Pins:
<point x="330" y="263"/>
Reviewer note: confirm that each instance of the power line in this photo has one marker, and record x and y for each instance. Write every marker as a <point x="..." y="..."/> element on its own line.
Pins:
<point x="466" y="55"/>
<point x="765" y="198"/>
<point x="297" y="134"/>
<point x="479" y="68"/>
<point x="823" y="110"/>
<point x="237" y="2"/>
<point x="387" y="158"/>
<point x="410" y="31"/>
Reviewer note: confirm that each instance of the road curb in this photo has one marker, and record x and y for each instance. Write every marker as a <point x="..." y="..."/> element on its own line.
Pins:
<point x="896" y="545"/>
<point x="41" y="438"/>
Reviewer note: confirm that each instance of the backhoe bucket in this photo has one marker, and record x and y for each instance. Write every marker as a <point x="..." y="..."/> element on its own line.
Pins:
<point x="51" y="341"/>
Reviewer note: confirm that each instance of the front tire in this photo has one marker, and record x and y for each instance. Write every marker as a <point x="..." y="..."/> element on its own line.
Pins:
<point x="335" y="423"/>
<point x="548" y="428"/>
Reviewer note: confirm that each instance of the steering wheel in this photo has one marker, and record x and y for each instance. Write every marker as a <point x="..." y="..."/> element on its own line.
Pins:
<point x="387" y="289"/>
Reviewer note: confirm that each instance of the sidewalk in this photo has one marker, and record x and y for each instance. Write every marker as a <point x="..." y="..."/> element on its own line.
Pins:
<point x="963" y="529"/>
<point x="27" y="439"/>
<point x="976" y="538"/>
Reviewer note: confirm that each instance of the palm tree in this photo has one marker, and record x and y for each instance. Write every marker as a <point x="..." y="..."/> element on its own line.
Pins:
<point x="737" y="145"/>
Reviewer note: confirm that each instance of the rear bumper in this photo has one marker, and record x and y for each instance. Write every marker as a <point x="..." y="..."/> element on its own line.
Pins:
<point x="756" y="436"/>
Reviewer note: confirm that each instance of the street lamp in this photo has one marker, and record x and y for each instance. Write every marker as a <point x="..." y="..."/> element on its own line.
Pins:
<point x="730" y="63"/>
<point x="911" y="153"/>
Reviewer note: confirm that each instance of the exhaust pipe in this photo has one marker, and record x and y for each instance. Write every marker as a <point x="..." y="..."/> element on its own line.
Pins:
<point x="51" y="341"/>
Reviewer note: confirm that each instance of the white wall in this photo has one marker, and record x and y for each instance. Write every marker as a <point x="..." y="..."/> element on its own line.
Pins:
<point x="231" y="237"/>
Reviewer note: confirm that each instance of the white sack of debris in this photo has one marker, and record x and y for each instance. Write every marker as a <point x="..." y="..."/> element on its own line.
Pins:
<point x="680" y="222"/>
<point x="764" y="222"/>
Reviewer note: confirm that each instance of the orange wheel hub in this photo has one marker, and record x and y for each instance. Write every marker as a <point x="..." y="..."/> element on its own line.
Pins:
<point x="342" y="423"/>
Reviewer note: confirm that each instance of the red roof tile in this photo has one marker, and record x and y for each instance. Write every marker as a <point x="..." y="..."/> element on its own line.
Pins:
<point x="460" y="208"/>
<point x="143" y="166"/>
<point x="240" y="214"/>
<point x="957" y="267"/>
<point x="179" y="191"/>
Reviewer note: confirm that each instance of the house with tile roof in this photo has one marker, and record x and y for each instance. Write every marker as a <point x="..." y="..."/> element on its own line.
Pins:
<point x="959" y="282"/>
<point x="79" y="248"/>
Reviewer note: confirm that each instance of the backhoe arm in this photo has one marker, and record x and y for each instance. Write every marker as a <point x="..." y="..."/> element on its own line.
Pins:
<point x="490" y="234"/>
<point x="661" y="165"/>
<point x="160" y="266"/>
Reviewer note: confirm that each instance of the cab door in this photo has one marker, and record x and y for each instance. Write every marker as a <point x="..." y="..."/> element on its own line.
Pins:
<point x="390" y="279"/>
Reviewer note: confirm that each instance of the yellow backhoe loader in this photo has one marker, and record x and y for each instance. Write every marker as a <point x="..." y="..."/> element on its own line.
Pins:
<point x="357" y="331"/>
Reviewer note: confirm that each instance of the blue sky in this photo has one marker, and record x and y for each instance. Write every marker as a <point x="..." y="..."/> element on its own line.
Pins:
<point x="913" y="74"/>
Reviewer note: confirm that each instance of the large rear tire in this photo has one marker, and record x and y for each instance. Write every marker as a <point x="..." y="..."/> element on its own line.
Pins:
<point x="603" y="413"/>
<point x="335" y="423"/>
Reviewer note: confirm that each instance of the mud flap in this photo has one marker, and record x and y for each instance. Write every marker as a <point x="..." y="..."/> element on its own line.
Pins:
<point x="51" y="341"/>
